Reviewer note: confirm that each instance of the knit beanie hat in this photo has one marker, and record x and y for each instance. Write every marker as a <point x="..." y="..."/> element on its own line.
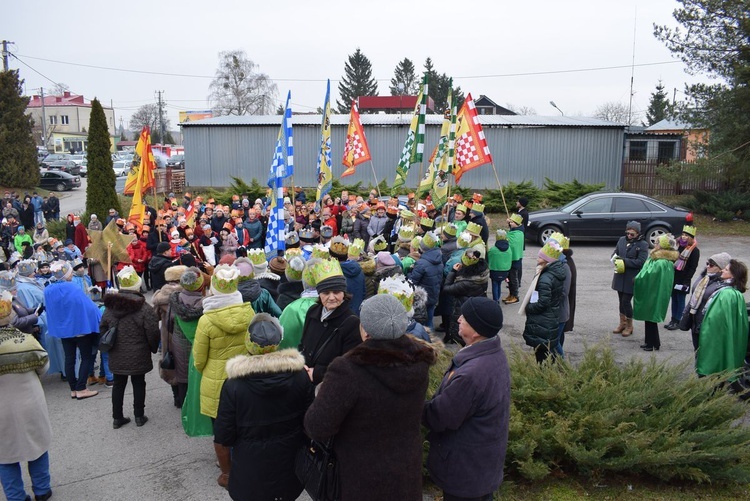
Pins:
<point x="633" y="225"/>
<point x="263" y="334"/>
<point x="162" y="247"/>
<point x="277" y="265"/>
<point x="517" y="218"/>
<point x="429" y="241"/>
<point x="483" y="315"/>
<point x="245" y="266"/>
<point x="383" y="317"/>
<point x="61" y="270"/>
<point x="294" y="267"/>
<point x="129" y="279"/>
<point x="501" y="235"/>
<point x="721" y="259"/>
<point x="551" y="251"/>
<point x="192" y="280"/>
<point x="225" y="279"/>
<point x="173" y="273"/>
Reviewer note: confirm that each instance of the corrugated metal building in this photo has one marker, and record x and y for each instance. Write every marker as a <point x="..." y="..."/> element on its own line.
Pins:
<point x="523" y="148"/>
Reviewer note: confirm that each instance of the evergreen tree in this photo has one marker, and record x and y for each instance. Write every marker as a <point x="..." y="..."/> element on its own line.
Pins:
<point x="100" y="190"/>
<point x="438" y="87"/>
<point x="357" y="81"/>
<point x="404" y="74"/>
<point x="18" y="164"/>
<point x="658" y="107"/>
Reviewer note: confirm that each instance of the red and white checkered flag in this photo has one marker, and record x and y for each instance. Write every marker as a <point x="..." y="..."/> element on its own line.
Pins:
<point x="356" y="150"/>
<point x="471" y="145"/>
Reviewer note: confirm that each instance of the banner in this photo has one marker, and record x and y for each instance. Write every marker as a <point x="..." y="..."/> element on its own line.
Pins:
<point x="143" y="162"/>
<point x="471" y="145"/>
<point x="414" y="144"/>
<point x="283" y="153"/>
<point x="445" y="156"/>
<point x="286" y="143"/>
<point x="356" y="149"/>
<point x="325" y="175"/>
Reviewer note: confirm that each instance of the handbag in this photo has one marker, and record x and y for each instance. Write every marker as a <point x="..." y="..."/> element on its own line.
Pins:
<point x="107" y="340"/>
<point x="317" y="469"/>
<point x="167" y="362"/>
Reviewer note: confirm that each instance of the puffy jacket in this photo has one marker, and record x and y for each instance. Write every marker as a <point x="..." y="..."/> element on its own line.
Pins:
<point x="139" y="255"/>
<point x="258" y="297"/>
<point x="220" y="335"/>
<point x="157" y="266"/>
<point x="428" y="273"/>
<point x="355" y="283"/>
<point x="137" y="332"/>
<point x="469" y="281"/>
<point x="542" y="317"/>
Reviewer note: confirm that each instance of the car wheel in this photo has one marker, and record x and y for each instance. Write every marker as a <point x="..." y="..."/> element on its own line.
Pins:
<point x="545" y="233"/>
<point x="60" y="187"/>
<point x="654" y="234"/>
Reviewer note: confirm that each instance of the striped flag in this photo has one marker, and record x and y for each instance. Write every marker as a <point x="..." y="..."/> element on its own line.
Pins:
<point x="414" y="145"/>
<point x="471" y="145"/>
<point x="325" y="175"/>
<point x="445" y="158"/>
<point x="356" y="149"/>
<point x="281" y="167"/>
<point x="287" y="146"/>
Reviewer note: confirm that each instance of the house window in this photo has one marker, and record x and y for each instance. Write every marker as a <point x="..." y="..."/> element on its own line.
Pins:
<point x="638" y="150"/>
<point x="64" y="120"/>
<point x="53" y="119"/>
<point x="666" y="152"/>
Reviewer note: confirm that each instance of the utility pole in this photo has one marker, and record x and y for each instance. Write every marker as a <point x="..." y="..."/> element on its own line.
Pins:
<point x="5" y="54"/>
<point x="44" y="119"/>
<point x="161" y="119"/>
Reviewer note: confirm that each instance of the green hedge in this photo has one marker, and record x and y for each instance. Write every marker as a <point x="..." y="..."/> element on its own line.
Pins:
<point x="724" y="206"/>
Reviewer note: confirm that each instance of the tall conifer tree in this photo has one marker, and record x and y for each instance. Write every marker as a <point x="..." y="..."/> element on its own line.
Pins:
<point x="357" y="81"/>
<point x="404" y="74"/>
<point x="658" y="107"/>
<point x="100" y="190"/>
<point x="18" y="164"/>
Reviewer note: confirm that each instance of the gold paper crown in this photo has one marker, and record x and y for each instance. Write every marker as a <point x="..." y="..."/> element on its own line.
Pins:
<point x="356" y="248"/>
<point x="294" y="268"/>
<point x="474" y="229"/>
<point x="561" y="239"/>
<point x="256" y="256"/>
<point x="415" y="242"/>
<point x="463" y="208"/>
<point x="368" y="265"/>
<point x="552" y="249"/>
<point x="426" y="221"/>
<point x="399" y="288"/>
<point x="339" y="245"/>
<point x="320" y="251"/>
<point x="478" y="208"/>
<point x="379" y="243"/>
<point x="225" y="279"/>
<point x="290" y="253"/>
<point x="308" y="276"/>
<point x="326" y="268"/>
<point x="429" y="240"/>
<point x="464" y="240"/>
<point x="128" y="277"/>
<point x="406" y="233"/>
<point x="690" y="230"/>
<point x="667" y="242"/>
<point x="407" y="214"/>
<point x="517" y="218"/>
<point x="450" y="229"/>
<point x="468" y="259"/>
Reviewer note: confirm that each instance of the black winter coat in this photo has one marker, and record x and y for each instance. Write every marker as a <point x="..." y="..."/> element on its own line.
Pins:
<point x="289" y="292"/>
<point x="261" y="411"/>
<point x="572" y="293"/>
<point x="138" y="332"/>
<point x="371" y="401"/>
<point x="634" y="254"/>
<point x="469" y="281"/>
<point x="343" y="325"/>
<point x="428" y="273"/>
<point x="685" y="275"/>
<point x="156" y="267"/>
<point x="542" y="317"/>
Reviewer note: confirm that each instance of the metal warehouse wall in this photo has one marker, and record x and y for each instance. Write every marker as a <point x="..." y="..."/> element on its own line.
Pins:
<point x="213" y="154"/>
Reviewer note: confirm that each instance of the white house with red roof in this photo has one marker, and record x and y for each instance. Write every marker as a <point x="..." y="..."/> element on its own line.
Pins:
<point x="67" y="121"/>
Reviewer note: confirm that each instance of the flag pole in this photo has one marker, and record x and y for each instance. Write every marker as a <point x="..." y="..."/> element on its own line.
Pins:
<point x="377" y="185"/>
<point x="507" y="214"/>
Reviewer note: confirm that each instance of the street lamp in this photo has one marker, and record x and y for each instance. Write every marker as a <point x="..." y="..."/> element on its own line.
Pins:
<point x="558" y="109"/>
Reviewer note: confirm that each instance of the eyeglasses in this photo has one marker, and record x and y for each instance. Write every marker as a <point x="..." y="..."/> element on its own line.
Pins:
<point x="711" y="263"/>
<point x="631" y="233"/>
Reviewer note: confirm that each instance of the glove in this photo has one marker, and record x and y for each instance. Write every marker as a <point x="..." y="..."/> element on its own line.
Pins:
<point x="619" y="266"/>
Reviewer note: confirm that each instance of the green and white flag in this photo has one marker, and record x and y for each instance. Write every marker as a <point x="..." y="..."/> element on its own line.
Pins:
<point x="443" y="161"/>
<point x="414" y="145"/>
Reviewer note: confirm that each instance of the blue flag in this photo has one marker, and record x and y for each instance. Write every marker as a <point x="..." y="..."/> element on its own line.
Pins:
<point x="281" y="167"/>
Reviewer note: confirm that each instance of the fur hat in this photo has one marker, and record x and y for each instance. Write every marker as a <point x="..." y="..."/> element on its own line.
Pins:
<point x="173" y="273"/>
<point x="263" y="334"/>
<point x="225" y="279"/>
<point x="129" y="279"/>
<point x="192" y="279"/>
<point x="483" y="315"/>
<point x="383" y="317"/>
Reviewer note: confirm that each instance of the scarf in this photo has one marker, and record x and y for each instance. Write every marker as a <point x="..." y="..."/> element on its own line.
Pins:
<point x="700" y="289"/>
<point x="532" y="288"/>
<point x="679" y="265"/>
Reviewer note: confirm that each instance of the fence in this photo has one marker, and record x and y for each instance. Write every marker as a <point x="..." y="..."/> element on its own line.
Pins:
<point x="642" y="177"/>
<point x="169" y="180"/>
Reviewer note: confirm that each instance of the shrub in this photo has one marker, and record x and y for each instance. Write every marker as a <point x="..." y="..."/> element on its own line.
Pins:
<point x="724" y="206"/>
<point x="493" y="199"/>
<point x="557" y="194"/>
<point x="639" y="418"/>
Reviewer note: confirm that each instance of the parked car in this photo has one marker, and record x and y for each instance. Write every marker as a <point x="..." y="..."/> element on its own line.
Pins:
<point x="54" y="157"/>
<point x="602" y="216"/>
<point x="78" y="158"/>
<point x="121" y="167"/>
<point x="58" y="181"/>
<point x="84" y="168"/>
<point x="68" y="166"/>
<point x="176" y="162"/>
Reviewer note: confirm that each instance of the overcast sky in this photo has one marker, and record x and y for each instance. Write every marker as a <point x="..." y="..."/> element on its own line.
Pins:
<point x="520" y="53"/>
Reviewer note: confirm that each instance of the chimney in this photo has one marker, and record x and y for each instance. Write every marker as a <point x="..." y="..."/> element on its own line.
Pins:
<point x="66" y="94"/>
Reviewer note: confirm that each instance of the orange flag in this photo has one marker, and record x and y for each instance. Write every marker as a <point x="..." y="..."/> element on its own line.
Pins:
<point x="356" y="150"/>
<point x="143" y="165"/>
<point x="471" y="145"/>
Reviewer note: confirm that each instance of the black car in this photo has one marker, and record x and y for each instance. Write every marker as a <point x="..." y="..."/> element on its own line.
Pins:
<point x="603" y="216"/>
<point x="58" y="181"/>
<point x="68" y="166"/>
<point x="54" y="157"/>
<point x="176" y="162"/>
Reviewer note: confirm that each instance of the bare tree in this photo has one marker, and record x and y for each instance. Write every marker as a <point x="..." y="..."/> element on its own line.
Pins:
<point x="60" y="88"/>
<point x="520" y="110"/>
<point x="239" y="89"/>
<point x="614" y="111"/>
<point x="148" y="114"/>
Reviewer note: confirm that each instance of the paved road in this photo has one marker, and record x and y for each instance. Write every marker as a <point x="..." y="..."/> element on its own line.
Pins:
<point x="90" y="461"/>
<point x="74" y="201"/>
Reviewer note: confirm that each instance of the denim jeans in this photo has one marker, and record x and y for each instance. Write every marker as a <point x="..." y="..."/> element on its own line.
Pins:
<point x="85" y="344"/>
<point x="12" y="478"/>
<point x="560" y="339"/>
<point x="103" y="366"/>
<point x="678" y="305"/>
<point x="430" y="315"/>
<point x="139" y="394"/>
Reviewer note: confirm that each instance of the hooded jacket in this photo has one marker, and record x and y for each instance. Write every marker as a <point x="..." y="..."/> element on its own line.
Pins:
<point x="355" y="283"/>
<point x="542" y="317"/>
<point x="288" y="293"/>
<point x="262" y="407"/>
<point x="469" y="281"/>
<point x="371" y="401"/>
<point x="220" y="335"/>
<point x="428" y="273"/>
<point x="137" y="332"/>
<point x="258" y="297"/>
<point x="184" y="307"/>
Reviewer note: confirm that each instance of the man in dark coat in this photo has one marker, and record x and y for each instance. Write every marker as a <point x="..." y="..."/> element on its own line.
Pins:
<point x="469" y="415"/>
<point x="428" y="273"/>
<point x="371" y="400"/>
<point x="629" y="257"/>
<point x="477" y="216"/>
<point x="54" y="206"/>
<point x="158" y="264"/>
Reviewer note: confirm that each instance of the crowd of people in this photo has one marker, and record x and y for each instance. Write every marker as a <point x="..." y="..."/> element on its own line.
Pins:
<point x="332" y="338"/>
